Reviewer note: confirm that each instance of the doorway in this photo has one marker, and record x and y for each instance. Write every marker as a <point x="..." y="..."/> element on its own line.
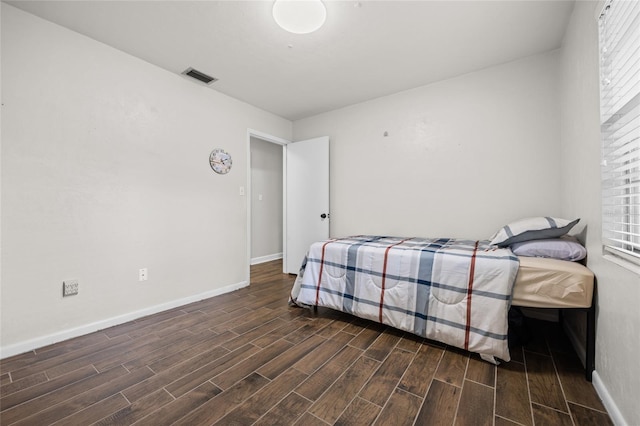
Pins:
<point x="266" y="200"/>
<point x="305" y="179"/>
<point x="262" y="206"/>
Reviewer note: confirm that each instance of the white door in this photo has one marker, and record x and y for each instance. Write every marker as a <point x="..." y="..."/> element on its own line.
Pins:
<point x="307" y="199"/>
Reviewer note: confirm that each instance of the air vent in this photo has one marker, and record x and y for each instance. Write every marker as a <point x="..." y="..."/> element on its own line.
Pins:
<point x="200" y="76"/>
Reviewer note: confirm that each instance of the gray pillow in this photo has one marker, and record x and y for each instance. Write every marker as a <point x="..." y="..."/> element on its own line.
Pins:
<point x="563" y="248"/>
<point x="533" y="228"/>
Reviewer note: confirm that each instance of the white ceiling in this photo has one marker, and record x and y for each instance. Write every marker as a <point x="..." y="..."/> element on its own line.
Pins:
<point x="365" y="50"/>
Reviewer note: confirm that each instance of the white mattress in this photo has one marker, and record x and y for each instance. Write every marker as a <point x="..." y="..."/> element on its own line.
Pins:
<point x="551" y="283"/>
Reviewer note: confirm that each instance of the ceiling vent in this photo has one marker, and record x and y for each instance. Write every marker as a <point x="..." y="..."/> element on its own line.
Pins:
<point x="200" y="76"/>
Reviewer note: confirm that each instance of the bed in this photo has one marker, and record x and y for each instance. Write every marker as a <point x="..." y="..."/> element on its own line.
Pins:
<point x="552" y="283"/>
<point x="559" y="284"/>
<point x="450" y="290"/>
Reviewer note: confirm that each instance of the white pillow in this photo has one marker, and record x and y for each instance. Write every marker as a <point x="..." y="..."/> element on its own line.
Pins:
<point x="533" y="228"/>
<point x="563" y="248"/>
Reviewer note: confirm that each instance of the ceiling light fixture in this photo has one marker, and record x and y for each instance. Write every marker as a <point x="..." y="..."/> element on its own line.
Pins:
<point x="299" y="16"/>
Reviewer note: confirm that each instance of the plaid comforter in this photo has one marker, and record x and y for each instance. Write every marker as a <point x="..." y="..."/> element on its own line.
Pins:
<point x="454" y="291"/>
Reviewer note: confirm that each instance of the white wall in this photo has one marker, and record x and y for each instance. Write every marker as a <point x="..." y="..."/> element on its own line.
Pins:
<point x="462" y="157"/>
<point x="618" y="316"/>
<point x="266" y="200"/>
<point x="104" y="171"/>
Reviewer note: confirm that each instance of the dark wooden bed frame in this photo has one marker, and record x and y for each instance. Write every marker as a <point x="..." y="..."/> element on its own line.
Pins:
<point x="590" y="341"/>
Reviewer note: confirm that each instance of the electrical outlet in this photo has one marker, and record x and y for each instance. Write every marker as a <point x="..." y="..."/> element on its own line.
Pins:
<point x="69" y="288"/>
<point x="142" y="274"/>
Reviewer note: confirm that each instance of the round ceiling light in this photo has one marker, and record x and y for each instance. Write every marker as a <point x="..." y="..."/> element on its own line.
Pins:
<point x="299" y="16"/>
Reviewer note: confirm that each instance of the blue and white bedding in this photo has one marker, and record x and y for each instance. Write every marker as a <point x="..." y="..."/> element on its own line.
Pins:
<point x="454" y="291"/>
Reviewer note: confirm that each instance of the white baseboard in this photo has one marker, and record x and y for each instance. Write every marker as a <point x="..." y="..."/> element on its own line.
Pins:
<point x="39" y="342"/>
<point x="607" y="401"/>
<point x="603" y="393"/>
<point x="268" y="258"/>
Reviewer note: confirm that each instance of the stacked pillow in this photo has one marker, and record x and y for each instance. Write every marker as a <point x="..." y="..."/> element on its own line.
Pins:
<point x="541" y="237"/>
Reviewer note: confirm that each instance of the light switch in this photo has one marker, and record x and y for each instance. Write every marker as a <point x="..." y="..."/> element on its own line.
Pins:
<point x="242" y="190"/>
<point x="259" y="197"/>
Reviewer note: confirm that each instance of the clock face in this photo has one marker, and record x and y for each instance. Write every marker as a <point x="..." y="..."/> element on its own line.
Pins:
<point x="220" y="161"/>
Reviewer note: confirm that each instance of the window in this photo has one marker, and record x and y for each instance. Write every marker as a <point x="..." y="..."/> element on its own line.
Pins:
<point x="619" y="26"/>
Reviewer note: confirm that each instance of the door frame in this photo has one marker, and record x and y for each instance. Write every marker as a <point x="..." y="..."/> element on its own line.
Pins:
<point x="278" y="141"/>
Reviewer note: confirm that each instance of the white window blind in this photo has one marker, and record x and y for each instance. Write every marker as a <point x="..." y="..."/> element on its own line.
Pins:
<point x="620" y="127"/>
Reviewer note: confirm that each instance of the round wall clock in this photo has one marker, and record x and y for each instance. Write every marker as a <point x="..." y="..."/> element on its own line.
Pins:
<point x="220" y="161"/>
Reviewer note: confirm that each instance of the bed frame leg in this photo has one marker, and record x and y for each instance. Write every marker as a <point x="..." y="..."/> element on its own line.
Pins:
<point x="590" y="364"/>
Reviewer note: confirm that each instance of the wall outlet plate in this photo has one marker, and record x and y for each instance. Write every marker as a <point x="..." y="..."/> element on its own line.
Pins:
<point x="69" y="288"/>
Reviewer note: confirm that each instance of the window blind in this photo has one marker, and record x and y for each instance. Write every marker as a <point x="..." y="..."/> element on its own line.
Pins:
<point x="619" y="27"/>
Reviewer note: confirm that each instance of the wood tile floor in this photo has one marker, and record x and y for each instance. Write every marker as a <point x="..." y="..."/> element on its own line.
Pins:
<point x="247" y="358"/>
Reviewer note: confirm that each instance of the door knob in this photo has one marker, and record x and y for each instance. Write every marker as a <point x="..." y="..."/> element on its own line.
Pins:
<point x="324" y="216"/>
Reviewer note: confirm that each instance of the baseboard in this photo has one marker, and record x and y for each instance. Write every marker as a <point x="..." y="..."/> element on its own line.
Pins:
<point x="607" y="401"/>
<point x="268" y="258"/>
<point x="578" y="344"/>
<point x="603" y="393"/>
<point x="39" y="342"/>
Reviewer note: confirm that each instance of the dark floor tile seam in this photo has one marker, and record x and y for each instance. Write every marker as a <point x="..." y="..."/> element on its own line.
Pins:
<point x="356" y="395"/>
<point x="301" y="396"/>
<point x="587" y="407"/>
<point x="480" y="383"/>
<point x="567" y="413"/>
<point x="23" y="354"/>
<point x="455" y="415"/>
<point x="251" y="329"/>
<point x="433" y="377"/>
<point x="373" y="403"/>
<point x="141" y="420"/>
<point x="393" y="391"/>
<point x="509" y="420"/>
<point x="354" y="334"/>
<point x="188" y="330"/>
<point x="318" y="418"/>
<point x="395" y="346"/>
<point x="441" y="381"/>
<point x="355" y="347"/>
<point x="555" y="369"/>
<point x="343" y="331"/>
<point x="364" y="355"/>
<point x="526" y="378"/>
<point x="406" y="350"/>
<point x="329" y="359"/>
<point x="111" y="338"/>
<point x="264" y="377"/>
<point x="229" y="386"/>
<point x="275" y="404"/>
<point x="466" y="369"/>
<point x="407" y="369"/>
<point x="36" y="361"/>
<point x="127" y="399"/>
<point x="413" y="393"/>
<point x="345" y="369"/>
<point x="190" y="358"/>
